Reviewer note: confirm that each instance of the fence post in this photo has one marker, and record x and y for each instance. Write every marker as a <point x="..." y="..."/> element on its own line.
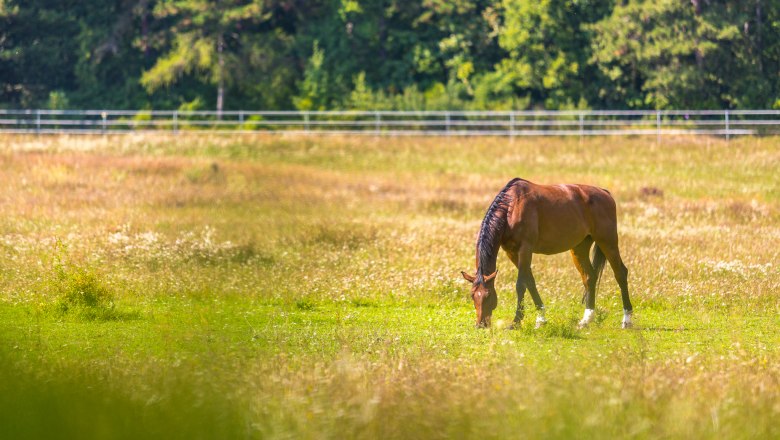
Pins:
<point x="104" y="115"/>
<point x="582" y="125"/>
<point x="512" y="125"/>
<point x="727" y="126"/>
<point x="175" y="121"/>
<point x="306" y="121"/>
<point x="447" y="122"/>
<point x="38" y="121"/>
<point x="241" y="120"/>
<point x="658" y="127"/>
<point x="377" y="122"/>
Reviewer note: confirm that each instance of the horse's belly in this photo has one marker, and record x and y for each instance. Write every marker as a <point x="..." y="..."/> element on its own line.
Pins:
<point x="562" y="242"/>
<point x="554" y="248"/>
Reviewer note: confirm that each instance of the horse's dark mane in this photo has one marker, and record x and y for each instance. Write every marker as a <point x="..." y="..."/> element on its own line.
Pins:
<point x="492" y="228"/>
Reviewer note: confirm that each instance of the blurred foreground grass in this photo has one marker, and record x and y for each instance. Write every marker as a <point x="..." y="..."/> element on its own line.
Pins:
<point x="294" y="287"/>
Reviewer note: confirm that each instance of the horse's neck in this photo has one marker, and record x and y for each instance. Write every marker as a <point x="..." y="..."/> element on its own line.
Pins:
<point x="488" y="265"/>
<point x="491" y="232"/>
<point x="487" y="254"/>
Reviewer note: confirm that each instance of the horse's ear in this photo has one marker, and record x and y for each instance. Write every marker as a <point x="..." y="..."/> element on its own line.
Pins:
<point x="468" y="277"/>
<point x="491" y="276"/>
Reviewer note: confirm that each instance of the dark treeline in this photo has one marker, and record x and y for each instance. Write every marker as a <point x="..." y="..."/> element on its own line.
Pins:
<point x="389" y="54"/>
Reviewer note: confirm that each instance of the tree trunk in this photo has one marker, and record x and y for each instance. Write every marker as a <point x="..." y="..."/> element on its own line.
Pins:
<point x="220" y="76"/>
<point x="697" y="51"/>
<point x="759" y="48"/>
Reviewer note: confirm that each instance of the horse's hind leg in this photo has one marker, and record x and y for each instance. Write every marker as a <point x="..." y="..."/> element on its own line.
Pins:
<point x="580" y="255"/>
<point x="620" y="270"/>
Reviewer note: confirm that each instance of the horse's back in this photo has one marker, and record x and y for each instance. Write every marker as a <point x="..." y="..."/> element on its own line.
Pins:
<point x="578" y="197"/>
<point x="558" y="217"/>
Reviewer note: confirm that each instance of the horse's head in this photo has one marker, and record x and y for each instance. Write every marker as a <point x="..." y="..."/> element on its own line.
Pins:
<point x="483" y="292"/>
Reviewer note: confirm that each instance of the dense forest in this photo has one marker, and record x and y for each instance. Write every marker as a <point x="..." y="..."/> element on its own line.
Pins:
<point x="389" y="54"/>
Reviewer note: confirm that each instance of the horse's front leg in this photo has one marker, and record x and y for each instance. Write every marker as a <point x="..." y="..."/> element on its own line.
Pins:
<point x="531" y="284"/>
<point x="520" y="288"/>
<point x="526" y="277"/>
<point x="519" y="313"/>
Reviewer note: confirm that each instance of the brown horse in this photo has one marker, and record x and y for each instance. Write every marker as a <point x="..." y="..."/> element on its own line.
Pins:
<point x="526" y="219"/>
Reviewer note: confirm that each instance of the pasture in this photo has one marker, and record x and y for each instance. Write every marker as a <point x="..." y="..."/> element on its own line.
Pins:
<point x="272" y="286"/>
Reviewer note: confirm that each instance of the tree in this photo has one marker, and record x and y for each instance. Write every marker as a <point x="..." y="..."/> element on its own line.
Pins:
<point x="81" y="52"/>
<point x="390" y="54"/>
<point x="402" y="50"/>
<point x="548" y="49"/>
<point x="34" y="56"/>
<point x="205" y="38"/>
<point x="670" y="54"/>
<point x="313" y="91"/>
<point x="109" y="62"/>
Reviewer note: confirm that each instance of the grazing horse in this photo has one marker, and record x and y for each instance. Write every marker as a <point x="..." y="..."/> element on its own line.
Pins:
<point x="526" y="219"/>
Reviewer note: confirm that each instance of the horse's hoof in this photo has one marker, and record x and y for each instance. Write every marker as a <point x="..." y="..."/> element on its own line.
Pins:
<point x="540" y="324"/>
<point x="587" y="318"/>
<point x="626" y="325"/>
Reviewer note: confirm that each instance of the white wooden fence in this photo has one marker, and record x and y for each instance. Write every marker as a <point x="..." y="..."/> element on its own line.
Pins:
<point x="396" y="123"/>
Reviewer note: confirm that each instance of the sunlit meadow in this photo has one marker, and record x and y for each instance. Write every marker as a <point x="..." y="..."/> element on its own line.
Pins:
<point x="272" y="286"/>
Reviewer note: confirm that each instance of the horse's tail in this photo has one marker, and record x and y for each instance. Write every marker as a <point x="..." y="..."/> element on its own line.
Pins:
<point x="598" y="260"/>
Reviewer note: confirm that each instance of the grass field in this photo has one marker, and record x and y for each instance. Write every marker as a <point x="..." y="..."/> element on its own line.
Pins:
<point x="283" y="287"/>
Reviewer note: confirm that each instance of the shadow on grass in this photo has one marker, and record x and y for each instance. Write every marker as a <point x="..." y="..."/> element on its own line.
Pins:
<point x="75" y="308"/>
<point x="666" y="329"/>
<point x="563" y="330"/>
<point x="99" y="315"/>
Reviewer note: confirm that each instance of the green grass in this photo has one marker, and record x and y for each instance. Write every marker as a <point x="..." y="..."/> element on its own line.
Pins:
<point x="283" y="287"/>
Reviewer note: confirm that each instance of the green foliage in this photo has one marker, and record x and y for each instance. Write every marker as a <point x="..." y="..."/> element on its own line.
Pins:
<point x="194" y="105"/>
<point x="363" y="98"/>
<point x="80" y="292"/>
<point x="349" y="54"/>
<point x="671" y="69"/>
<point x="142" y="116"/>
<point x="58" y="101"/>
<point x="548" y="51"/>
<point x="314" y="89"/>
<point x="203" y="42"/>
<point x="453" y="96"/>
<point x="304" y="304"/>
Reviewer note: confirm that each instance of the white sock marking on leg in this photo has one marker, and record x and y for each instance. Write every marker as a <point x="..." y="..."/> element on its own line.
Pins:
<point x="540" y="321"/>
<point x="587" y="317"/>
<point x="627" y="317"/>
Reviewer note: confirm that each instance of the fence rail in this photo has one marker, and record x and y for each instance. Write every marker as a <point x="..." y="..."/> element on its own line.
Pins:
<point x="725" y="123"/>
